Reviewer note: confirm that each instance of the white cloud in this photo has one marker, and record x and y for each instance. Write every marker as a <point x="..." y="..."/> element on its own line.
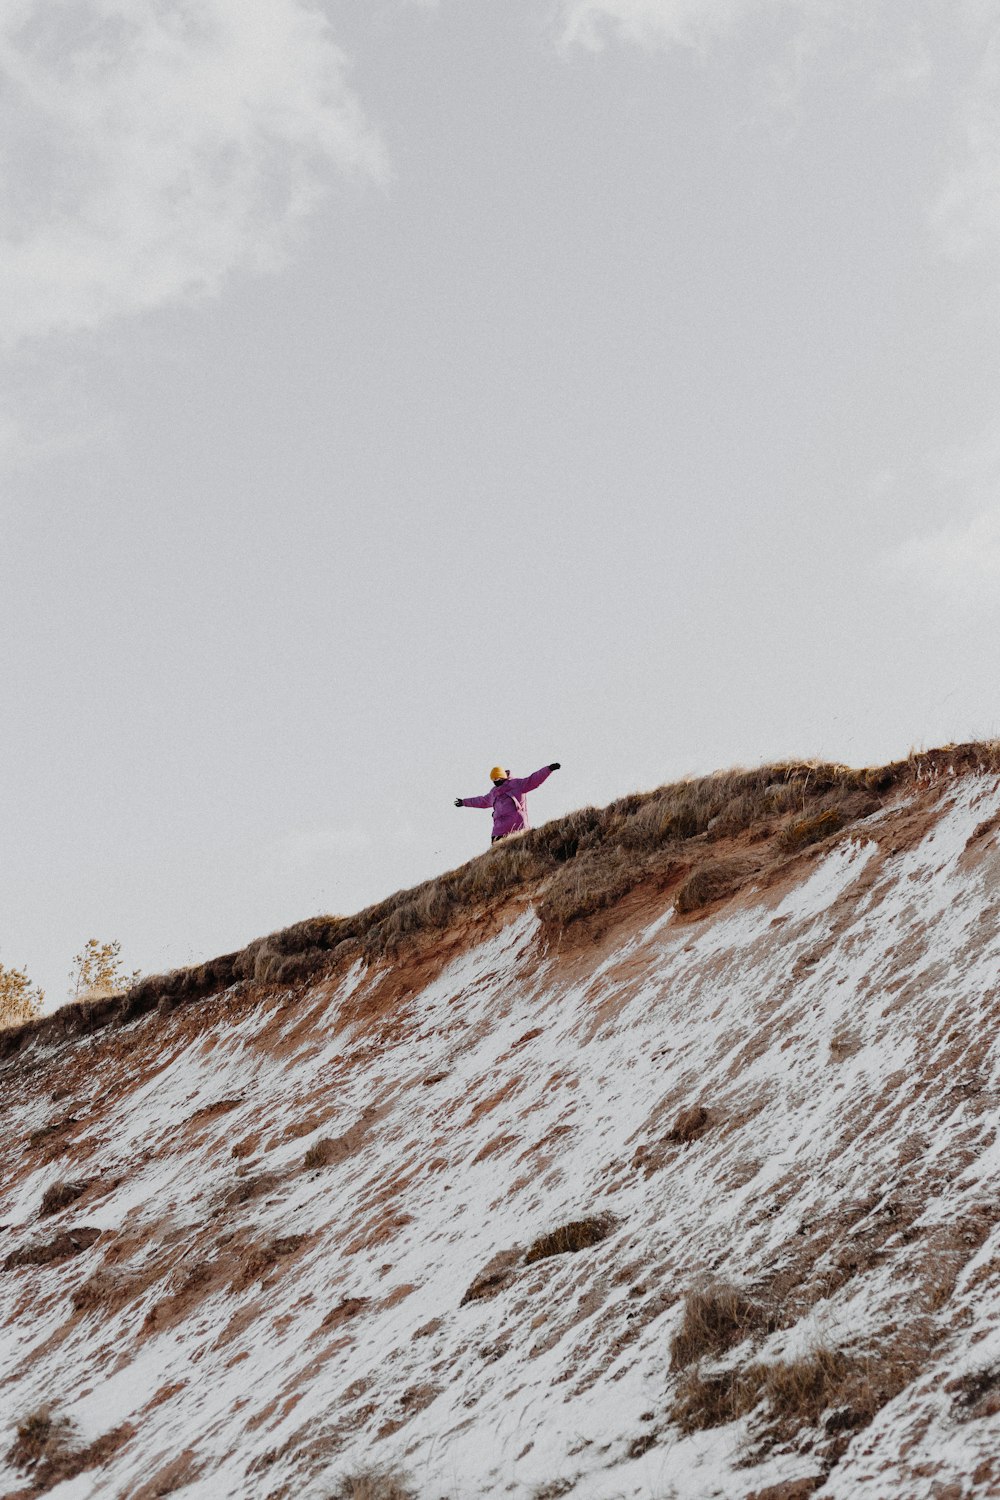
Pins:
<point x="149" y="148"/>
<point x="687" y="23"/>
<point x="967" y="213"/>
<point x="960" y="561"/>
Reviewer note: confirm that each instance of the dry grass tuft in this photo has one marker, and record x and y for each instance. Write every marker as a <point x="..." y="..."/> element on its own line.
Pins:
<point x="689" y="1125"/>
<point x="246" y="1189"/>
<point x="373" y="1484"/>
<point x="799" y="833"/>
<point x="495" y="1277"/>
<point x="795" y="1393"/>
<point x="844" y="1045"/>
<point x="716" y="880"/>
<point x="40" y="1438"/>
<point x="570" y="1238"/>
<point x="702" y="1401"/>
<point x="976" y="1395"/>
<point x="258" y="1263"/>
<point x="68" y="1243"/>
<point x="46" y="1446"/>
<point x="715" y="1318"/>
<point x="60" y="1195"/>
<point x="105" y="1293"/>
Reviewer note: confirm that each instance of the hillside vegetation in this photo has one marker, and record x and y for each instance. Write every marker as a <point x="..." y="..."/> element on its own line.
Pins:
<point x="652" y="1156"/>
<point x="707" y="836"/>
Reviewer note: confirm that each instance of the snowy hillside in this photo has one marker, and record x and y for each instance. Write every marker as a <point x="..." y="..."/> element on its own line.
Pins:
<point x="255" y="1245"/>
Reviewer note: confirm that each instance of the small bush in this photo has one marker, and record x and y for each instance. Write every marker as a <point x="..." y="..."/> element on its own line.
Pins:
<point x="588" y="885"/>
<point x="716" y="1318"/>
<point x="373" y="1484"/>
<point x="713" y="881"/>
<point x="20" y="1000"/>
<point x="570" y="1238"/>
<point x="495" y="1276"/>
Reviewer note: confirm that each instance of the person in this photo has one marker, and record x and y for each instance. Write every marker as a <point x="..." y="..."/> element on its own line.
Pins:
<point x="507" y="799"/>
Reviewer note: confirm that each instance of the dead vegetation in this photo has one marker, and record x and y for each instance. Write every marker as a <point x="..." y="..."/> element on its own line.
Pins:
<point x="47" y="1448"/>
<point x="373" y="1484"/>
<point x="716" y="1318"/>
<point x="787" y="1395"/>
<point x="246" y="1189"/>
<point x="570" y="1238"/>
<point x="587" y="861"/>
<point x="689" y="1125"/>
<point x="844" y="1044"/>
<point x="321" y="1153"/>
<point x="105" y="1292"/>
<point x="62" y="1247"/>
<point x="501" y="1271"/>
<point x="260" y="1261"/>
<point x="60" y="1195"/>
<point x="713" y="881"/>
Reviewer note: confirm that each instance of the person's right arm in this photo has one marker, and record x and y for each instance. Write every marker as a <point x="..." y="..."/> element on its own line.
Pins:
<point x="486" y="801"/>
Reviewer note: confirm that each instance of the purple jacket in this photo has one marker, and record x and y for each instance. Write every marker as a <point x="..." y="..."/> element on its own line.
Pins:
<point x="510" y="814"/>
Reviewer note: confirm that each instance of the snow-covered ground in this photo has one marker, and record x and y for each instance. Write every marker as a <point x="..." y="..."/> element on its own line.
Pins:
<point x="261" y="1327"/>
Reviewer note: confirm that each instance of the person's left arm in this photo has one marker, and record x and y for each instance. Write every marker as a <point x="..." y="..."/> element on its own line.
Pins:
<point x="522" y="784"/>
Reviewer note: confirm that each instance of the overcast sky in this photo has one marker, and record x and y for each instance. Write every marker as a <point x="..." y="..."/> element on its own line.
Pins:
<point x="395" y="388"/>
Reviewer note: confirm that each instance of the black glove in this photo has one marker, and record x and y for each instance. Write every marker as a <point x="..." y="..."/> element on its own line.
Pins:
<point x="554" y="766"/>
<point x="458" y="801"/>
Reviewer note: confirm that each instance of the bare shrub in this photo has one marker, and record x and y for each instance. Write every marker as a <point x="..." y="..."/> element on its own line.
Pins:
<point x="20" y="1000"/>
<point x="715" y="1318"/>
<point x="716" y="880"/>
<point x="60" y="1195"/>
<point x="373" y="1484"/>
<point x="570" y="1238"/>
<point x="98" y="971"/>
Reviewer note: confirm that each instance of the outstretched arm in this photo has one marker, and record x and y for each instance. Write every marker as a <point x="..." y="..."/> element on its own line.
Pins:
<point x="524" y="784"/>
<point x="486" y="801"/>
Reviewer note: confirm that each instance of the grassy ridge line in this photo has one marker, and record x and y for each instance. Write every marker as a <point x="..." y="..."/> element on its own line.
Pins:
<point x="577" y="865"/>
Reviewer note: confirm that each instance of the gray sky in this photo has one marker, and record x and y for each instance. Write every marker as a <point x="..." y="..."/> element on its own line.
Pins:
<point x="390" y="389"/>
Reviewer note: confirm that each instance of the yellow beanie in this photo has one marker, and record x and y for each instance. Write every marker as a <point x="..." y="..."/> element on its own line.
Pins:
<point x="498" y="774"/>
